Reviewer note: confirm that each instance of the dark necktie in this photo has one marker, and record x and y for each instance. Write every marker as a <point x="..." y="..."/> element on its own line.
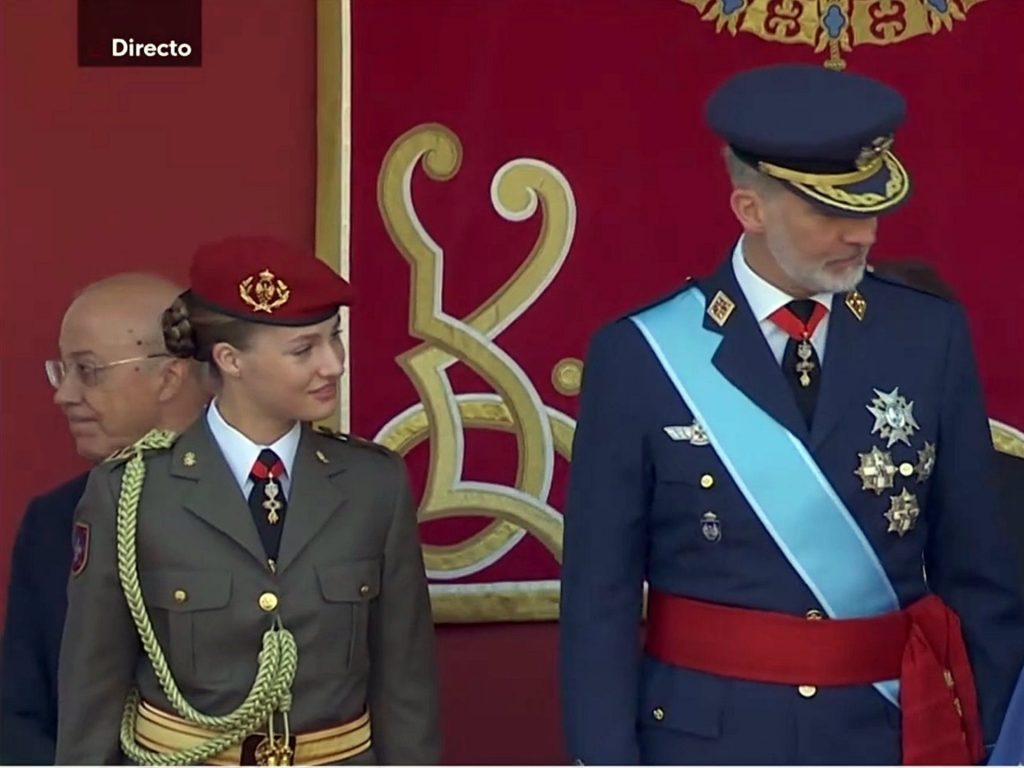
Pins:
<point x="800" y="363"/>
<point x="266" y="500"/>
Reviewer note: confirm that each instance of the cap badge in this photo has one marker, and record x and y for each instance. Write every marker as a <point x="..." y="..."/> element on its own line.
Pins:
<point x="265" y="294"/>
<point x="871" y="155"/>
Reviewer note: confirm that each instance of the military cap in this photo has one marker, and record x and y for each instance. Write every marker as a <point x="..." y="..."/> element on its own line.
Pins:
<point x="265" y="280"/>
<point x="826" y="135"/>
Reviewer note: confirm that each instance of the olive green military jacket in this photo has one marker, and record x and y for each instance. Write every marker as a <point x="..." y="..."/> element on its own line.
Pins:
<point x="349" y="584"/>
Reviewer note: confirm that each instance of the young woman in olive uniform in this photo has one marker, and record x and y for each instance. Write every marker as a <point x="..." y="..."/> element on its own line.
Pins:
<point x="251" y="591"/>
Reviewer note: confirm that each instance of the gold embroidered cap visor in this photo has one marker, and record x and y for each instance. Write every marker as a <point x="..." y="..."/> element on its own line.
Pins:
<point x="826" y="135"/>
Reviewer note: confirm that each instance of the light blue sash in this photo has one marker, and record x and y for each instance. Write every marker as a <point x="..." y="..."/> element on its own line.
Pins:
<point x="778" y="477"/>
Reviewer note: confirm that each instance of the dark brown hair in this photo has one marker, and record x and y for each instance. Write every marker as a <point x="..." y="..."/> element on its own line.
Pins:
<point x="191" y="330"/>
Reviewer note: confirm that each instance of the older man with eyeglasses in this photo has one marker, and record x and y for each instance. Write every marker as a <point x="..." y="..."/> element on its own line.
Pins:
<point x="114" y="381"/>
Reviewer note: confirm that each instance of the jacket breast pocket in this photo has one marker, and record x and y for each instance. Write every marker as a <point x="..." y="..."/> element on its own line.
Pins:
<point x="679" y="471"/>
<point x="187" y="609"/>
<point x="348" y="590"/>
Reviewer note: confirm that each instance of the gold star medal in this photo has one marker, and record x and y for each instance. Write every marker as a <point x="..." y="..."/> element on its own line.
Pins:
<point x="876" y="470"/>
<point x="903" y="513"/>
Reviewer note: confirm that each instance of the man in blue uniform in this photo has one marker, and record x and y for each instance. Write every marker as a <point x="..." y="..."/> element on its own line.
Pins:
<point x="794" y="455"/>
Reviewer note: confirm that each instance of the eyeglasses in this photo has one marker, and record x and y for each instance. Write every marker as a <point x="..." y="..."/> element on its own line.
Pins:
<point x="87" y="373"/>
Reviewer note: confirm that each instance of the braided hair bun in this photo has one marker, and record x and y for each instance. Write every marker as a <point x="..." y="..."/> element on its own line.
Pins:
<point x="179" y="335"/>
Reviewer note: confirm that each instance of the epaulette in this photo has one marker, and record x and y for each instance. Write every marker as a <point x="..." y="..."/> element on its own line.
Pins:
<point x="154" y="440"/>
<point x="351" y="439"/>
<point x="915" y="277"/>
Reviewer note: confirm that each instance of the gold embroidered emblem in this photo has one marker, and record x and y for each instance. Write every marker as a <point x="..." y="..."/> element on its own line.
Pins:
<point x="265" y="294"/>
<point x="870" y="157"/>
<point x="835" y="26"/>
<point x="721" y="308"/>
<point x="189" y="459"/>
<point x="857" y="304"/>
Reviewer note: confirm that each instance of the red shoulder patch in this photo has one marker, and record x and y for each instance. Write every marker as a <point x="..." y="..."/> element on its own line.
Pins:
<point x="79" y="548"/>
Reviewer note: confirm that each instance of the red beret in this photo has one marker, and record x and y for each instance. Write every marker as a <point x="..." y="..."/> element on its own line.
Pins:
<point x="266" y="281"/>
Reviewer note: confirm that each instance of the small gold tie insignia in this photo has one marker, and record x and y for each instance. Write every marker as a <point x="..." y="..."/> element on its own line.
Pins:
<point x="271" y="504"/>
<point x="805" y="366"/>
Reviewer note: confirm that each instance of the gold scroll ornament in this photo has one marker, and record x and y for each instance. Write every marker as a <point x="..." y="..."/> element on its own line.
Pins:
<point x="519" y="189"/>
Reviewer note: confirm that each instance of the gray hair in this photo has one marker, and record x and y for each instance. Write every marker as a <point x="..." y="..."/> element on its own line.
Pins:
<point x="743" y="174"/>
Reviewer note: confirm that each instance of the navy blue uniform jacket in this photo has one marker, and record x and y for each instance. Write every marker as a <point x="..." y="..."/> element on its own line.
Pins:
<point x="635" y="512"/>
<point x="36" y="604"/>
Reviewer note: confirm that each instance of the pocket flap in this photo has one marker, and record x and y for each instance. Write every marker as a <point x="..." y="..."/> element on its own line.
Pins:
<point x="353" y="582"/>
<point x="680" y="462"/>
<point x="683" y="700"/>
<point x="186" y="590"/>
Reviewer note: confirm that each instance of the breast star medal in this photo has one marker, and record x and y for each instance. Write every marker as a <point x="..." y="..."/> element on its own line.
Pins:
<point x="903" y="513"/>
<point x="894" y="417"/>
<point x="925" y="462"/>
<point x="876" y="470"/>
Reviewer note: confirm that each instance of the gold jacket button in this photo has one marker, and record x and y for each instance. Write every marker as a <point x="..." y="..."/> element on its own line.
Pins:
<point x="180" y="595"/>
<point x="268" y="601"/>
<point x="906" y="469"/>
<point x="807" y="691"/>
<point x="658" y="714"/>
<point x="707" y="481"/>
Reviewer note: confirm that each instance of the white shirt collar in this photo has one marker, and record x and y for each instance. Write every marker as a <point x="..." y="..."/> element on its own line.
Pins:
<point x="763" y="297"/>
<point x="240" y="452"/>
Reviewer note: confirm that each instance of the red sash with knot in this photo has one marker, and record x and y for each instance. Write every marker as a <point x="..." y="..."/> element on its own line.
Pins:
<point x="921" y="646"/>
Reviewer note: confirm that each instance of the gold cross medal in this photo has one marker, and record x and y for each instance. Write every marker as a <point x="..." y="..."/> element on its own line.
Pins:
<point x="271" y="504"/>
<point x="805" y="365"/>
